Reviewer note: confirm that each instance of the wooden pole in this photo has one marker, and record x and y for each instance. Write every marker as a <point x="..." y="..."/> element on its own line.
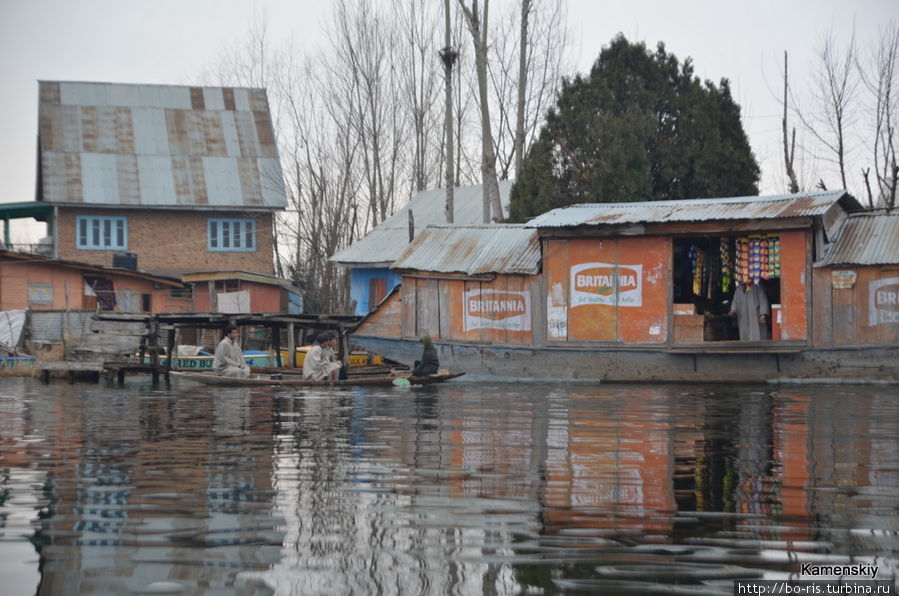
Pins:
<point x="276" y="344"/>
<point x="344" y="346"/>
<point x="170" y="351"/>
<point x="213" y="298"/>
<point x="291" y="346"/>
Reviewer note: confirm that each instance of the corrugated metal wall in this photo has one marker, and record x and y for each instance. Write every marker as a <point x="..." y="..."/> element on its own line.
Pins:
<point x="54" y="325"/>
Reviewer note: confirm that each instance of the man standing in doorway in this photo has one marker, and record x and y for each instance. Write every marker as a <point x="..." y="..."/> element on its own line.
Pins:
<point x="750" y="305"/>
<point x="229" y="360"/>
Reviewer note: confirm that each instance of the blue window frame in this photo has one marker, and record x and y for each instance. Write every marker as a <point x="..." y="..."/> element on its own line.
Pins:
<point x="232" y="234"/>
<point x="97" y="232"/>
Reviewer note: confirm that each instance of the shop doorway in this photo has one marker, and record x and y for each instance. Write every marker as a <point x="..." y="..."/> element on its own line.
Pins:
<point x="706" y="272"/>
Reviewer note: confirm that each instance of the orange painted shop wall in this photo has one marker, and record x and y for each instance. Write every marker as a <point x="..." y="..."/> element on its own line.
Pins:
<point x="644" y="323"/>
<point x="649" y="322"/>
<point x="596" y="322"/>
<point x="794" y="284"/>
<point x="469" y="321"/>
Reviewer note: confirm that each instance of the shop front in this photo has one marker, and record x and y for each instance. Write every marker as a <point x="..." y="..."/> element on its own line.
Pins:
<point x="709" y="270"/>
<point x="674" y="290"/>
<point x="644" y="292"/>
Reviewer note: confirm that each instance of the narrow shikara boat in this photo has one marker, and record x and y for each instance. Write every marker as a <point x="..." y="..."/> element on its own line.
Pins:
<point x="293" y="381"/>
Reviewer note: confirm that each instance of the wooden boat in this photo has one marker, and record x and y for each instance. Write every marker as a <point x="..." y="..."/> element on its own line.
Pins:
<point x="370" y="371"/>
<point x="292" y="381"/>
<point x="204" y="360"/>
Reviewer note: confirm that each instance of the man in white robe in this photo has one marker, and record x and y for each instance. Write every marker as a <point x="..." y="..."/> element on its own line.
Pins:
<point x="750" y="305"/>
<point x="229" y="361"/>
<point x="319" y="363"/>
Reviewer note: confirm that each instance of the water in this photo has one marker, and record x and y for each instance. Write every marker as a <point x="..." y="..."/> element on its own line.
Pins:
<point x="462" y="488"/>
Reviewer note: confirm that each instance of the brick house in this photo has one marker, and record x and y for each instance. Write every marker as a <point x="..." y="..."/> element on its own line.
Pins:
<point x="36" y="283"/>
<point x="170" y="179"/>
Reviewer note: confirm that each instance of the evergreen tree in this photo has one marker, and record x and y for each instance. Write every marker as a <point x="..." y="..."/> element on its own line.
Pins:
<point x="641" y="127"/>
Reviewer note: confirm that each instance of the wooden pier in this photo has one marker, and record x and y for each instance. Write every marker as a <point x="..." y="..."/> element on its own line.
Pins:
<point x="109" y="350"/>
<point x="120" y="343"/>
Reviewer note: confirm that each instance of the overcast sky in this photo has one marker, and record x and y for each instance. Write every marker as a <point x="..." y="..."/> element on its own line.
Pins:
<point x="170" y="41"/>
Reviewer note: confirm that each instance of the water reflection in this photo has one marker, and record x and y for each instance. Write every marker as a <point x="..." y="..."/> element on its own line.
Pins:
<point x="462" y="488"/>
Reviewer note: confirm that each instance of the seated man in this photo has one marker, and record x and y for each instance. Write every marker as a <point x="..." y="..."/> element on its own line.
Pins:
<point x="229" y="360"/>
<point x="320" y="363"/>
<point x="429" y="363"/>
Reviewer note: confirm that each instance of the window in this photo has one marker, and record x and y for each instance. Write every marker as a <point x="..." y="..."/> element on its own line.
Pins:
<point x="40" y="294"/>
<point x="227" y="285"/>
<point x="377" y="289"/>
<point x="95" y="232"/>
<point x="231" y="235"/>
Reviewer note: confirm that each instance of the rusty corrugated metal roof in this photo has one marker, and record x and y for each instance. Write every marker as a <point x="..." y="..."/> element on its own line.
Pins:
<point x="29" y="258"/>
<point x="387" y="241"/>
<point x="473" y="250"/>
<point x="157" y="145"/>
<point x="765" y="207"/>
<point x="865" y="239"/>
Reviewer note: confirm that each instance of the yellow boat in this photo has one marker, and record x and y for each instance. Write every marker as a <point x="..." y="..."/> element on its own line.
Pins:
<point x="357" y="358"/>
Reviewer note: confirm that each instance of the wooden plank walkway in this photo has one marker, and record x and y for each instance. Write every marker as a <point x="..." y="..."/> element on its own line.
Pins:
<point x="71" y="368"/>
<point x="118" y="370"/>
<point x="113" y="370"/>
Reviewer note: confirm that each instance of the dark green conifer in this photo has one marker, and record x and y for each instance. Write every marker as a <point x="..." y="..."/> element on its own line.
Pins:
<point x="640" y="127"/>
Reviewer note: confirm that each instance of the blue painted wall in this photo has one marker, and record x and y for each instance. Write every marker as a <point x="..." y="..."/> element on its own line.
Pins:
<point x="359" y="285"/>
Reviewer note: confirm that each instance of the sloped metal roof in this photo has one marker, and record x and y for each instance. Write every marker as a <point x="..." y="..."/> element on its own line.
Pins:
<point x="473" y="250"/>
<point x="38" y="259"/>
<point x="765" y="207"/>
<point x="108" y="144"/>
<point x="865" y="239"/>
<point x="252" y="276"/>
<point x="387" y="241"/>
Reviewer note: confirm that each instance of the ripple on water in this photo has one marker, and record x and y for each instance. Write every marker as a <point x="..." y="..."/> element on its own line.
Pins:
<point x="463" y="488"/>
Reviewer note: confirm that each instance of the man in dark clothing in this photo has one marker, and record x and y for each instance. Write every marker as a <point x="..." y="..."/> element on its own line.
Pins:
<point x="429" y="364"/>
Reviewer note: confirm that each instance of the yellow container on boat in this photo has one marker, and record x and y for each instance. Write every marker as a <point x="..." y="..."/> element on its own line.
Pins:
<point x="355" y="359"/>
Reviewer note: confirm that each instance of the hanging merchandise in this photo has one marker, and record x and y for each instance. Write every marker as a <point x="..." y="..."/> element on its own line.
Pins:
<point x="773" y="256"/>
<point x="697" y="261"/>
<point x="727" y="270"/>
<point x="755" y="258"/>
<point x="763" y="256"/>
<point x="742" y="265"/>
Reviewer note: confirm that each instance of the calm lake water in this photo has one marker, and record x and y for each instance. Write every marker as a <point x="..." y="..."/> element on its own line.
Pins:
<point x="463" y="488"/>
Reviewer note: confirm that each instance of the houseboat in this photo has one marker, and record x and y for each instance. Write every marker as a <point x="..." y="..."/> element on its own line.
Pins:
<point x="642" y="292"/>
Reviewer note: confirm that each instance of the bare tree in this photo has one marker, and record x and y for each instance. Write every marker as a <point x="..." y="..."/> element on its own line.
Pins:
<point x="880" y="78"/>
<point x="420" y="86"/>
<point x="789" y="145"/>
<point x="253" y="62"/>
<point x="363" y="73"/>
<point x="478" y="26"/>
<point x="528" y="59"/>
<point x="835" y="85"/>
<point x="358" y="122"/>
<point x="522" y="85"/>
<point x="324" y="187"/>
<point x="448" y="56"/>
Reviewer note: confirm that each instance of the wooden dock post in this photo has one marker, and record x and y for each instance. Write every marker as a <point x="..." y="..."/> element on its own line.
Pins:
<point x="276" y="345"/>
<point x="291" y="346"/>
